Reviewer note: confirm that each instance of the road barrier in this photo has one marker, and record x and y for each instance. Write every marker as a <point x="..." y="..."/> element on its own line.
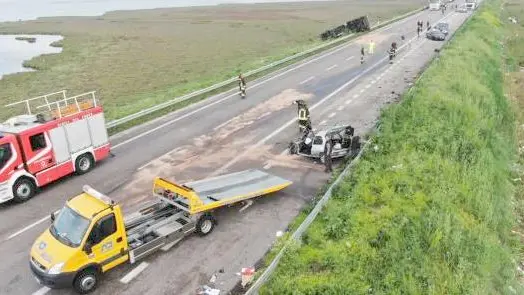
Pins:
<point x="222" y="84"/>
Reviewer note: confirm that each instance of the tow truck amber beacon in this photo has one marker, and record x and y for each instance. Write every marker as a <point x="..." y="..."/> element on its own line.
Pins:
<point x="56" y="137"/>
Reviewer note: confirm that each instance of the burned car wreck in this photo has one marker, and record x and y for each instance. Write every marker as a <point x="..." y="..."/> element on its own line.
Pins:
<point x="312" y="144"/>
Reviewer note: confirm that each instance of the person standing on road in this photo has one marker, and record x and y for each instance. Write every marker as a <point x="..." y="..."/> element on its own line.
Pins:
<point x="428" y="25"/>
<point x="418" y="29"/>
<point x="328" y="148"/>
<point x="361" y="54"/>
<point x="371" y="47"/>
<point x="242" y="84"/>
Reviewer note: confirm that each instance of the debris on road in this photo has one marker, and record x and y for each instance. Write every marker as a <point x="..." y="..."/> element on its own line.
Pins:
<point x="206" y="290"/>
<point x="247" y="275"/>
<point x="279" y="233"/>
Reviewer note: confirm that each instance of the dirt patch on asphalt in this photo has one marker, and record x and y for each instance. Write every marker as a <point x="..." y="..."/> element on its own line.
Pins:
<point x="210" y="151"/>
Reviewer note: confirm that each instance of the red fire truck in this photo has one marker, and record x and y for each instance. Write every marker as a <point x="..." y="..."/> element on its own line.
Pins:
<point x="55" y="139"/>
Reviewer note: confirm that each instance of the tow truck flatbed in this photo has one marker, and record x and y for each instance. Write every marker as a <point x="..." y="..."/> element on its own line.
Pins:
<point x="106" y="238"/>
<point x="211" y="193"/>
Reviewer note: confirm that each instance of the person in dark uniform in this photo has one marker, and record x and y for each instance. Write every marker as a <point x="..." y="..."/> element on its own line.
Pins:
<point x="303" y="115"/>
<point x="242" y="85"/>
<point x="362" y="54"/>
<point x="428" y="25"/>
<point x="328" y="148"/>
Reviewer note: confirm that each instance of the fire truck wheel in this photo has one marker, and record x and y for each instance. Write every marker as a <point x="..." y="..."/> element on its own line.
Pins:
<point x="23" y="190"/>
<point x="84" y="163"/>
<point x="86" y="281"/>
<point x="205" y="224"/>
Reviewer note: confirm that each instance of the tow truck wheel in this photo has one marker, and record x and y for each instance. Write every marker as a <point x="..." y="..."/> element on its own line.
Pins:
<point x="205" y="224"/>
<point x="23" y="190"/>
<point x="86" y="281"/>
<point x="84" y="163"/>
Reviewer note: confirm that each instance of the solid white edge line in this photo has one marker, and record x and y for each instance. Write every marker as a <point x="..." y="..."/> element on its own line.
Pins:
<point x="274" y="133"/>
<point x="227" y="97"/>
<point x="27" y="228"/>
<point x="133" y="273"/>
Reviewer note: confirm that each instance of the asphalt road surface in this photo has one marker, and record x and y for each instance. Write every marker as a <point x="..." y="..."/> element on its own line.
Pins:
<point x="227" y="134"/>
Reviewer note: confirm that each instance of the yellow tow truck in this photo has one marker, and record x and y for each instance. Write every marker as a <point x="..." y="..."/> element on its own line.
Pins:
<point x="90" y="235"/>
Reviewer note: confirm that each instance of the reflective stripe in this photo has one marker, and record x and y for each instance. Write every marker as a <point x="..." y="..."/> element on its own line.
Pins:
<point x="302" y="114"/>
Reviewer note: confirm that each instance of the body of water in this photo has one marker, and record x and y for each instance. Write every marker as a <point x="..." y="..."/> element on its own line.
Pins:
<point x="14" y="10"/>
<point x="14" y="52"/>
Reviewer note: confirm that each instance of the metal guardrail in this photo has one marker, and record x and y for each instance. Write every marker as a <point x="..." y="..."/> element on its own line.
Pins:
<point x="297" y="235"/>
<point x="168" y="103"/>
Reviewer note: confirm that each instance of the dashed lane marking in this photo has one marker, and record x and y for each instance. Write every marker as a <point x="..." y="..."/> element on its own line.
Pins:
<point x="135" y="272"/>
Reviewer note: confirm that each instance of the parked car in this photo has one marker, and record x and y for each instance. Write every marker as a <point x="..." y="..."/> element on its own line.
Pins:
<point x="443" y="27"/>
<point x="436" y="35"/>
<point x="461" y="9"/>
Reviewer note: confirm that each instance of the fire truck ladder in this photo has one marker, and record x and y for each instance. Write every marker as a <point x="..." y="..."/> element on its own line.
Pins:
<point x="62" y="107"/>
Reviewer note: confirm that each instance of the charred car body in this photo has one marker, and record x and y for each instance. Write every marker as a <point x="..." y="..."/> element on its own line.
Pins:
<point x="313" y="144"/>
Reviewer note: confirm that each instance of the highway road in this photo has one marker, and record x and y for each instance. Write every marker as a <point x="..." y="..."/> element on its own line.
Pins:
<point x="226" y="134"/>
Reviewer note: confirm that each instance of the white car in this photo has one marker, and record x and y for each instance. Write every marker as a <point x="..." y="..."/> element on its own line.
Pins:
<point x="313" y="144"/>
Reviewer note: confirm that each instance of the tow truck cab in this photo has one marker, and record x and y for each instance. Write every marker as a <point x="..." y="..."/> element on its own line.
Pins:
<point x="87" y="237"/>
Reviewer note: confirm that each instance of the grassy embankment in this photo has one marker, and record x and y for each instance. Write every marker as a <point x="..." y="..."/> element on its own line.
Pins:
<point x="514" y="45"/>
<point x="136" y="59"/>
<point x="431" y="211"/>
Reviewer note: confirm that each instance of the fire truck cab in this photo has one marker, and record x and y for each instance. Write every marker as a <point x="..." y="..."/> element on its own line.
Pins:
<point x="53" y="140"/>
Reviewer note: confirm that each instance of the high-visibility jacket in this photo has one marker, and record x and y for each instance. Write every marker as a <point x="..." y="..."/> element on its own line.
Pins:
<point x="302" y="114"/>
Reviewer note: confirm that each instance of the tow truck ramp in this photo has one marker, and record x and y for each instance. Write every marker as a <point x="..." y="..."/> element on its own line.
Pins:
<point x="181" y="207"/>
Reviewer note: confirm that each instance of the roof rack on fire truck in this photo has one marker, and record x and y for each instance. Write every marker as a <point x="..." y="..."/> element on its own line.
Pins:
<point x="59" y="108"/>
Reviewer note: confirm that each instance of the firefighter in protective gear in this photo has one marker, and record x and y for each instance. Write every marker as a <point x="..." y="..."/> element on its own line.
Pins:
<point x="328" y="148"/>
<point x="242" y="85"/>
<point x="304" y="121"/>
<point x="392" y="51"/>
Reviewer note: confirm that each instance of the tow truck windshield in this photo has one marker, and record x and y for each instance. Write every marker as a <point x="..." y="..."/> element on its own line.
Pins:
<point x="5" y="154"/>
<point x="69" y="227"/>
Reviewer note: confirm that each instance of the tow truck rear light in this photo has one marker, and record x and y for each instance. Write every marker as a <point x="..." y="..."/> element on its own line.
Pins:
<point x="91" y="191"/>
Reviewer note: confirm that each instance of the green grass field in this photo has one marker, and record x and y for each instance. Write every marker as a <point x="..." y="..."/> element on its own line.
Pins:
<point x="514" y="46"/>
<point x="432" y="211"/>
<point x="136" y="59"/>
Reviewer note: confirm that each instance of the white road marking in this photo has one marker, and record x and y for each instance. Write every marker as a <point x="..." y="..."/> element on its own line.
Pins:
<point x="323" y="122"/>
<point x="307" y="80"/>
<point x="223" y="124"/>
<point x="373" y="81"/>
<point x="350" y="58"/>
<point x="332" y="115"/>
<point x="145" y="165"/>
<point x="349" y="101"/>
<point x="135" y="272"/>
<point x="331" y="67"/>
<point x="248" y="150"/>
<point x="340" y="108"/>
<point x="42" y="291"/>
<point x="268" y="165"/>
<point x="27" y="228"/>
<point x="225" y="98"/>
<point x="367" y="86"/>
<point x="362" y="91"/>
<point x="356" y="95"/>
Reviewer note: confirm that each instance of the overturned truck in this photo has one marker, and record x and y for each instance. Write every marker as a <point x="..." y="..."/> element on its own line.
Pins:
<point x="357" y="25"/>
